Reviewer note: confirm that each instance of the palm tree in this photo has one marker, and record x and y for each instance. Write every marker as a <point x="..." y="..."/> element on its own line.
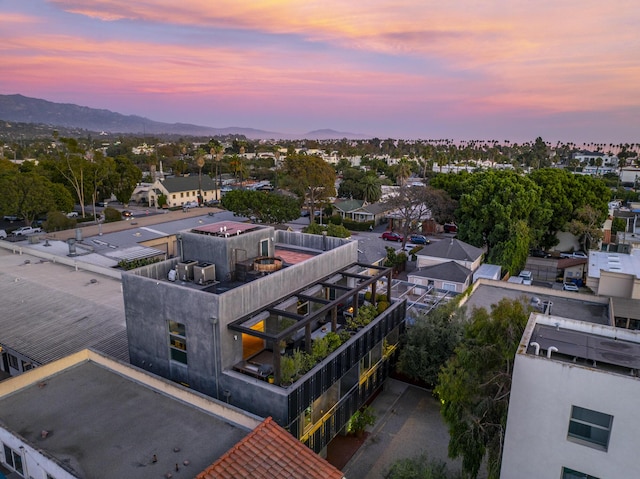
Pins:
<point x="403" y="172"/>
<point x="371" y="189"/>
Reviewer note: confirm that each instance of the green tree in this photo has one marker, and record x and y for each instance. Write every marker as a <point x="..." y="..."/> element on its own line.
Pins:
<point x="371" y="189"/>
<point x="430" y="342"/>
<point x="421" y="467"/>
<point x="311" y="178"/>
<point x="265" y="207"/>
<point x="123" y="177"/>
<point x="495" y="202"/>
<point x="27" y="194"/>
<point x="414" y="204"/>
<point x="475" y="384"/>
<point x="563" y="193"/>
<point x="587" y="225"/>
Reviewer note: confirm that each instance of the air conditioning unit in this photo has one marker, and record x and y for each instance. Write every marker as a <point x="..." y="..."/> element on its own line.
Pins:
<point x="204" y="273"/>
<point x="185" y="270"/>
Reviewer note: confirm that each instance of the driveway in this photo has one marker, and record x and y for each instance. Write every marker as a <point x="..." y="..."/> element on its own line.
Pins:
<point x="408" y="424"/>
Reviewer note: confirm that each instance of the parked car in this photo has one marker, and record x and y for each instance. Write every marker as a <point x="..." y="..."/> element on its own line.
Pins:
<point x="10" y="218"/>
<point x="72" y="214"/>
<point x="575" y="254"/>
<point x="450" y="228"/>
<point x="127" y="214"/>
<point x="527" y="277"/>
<point x="392" y="236"/>
<point x="102" y="203"/>
<point x="190" y="204"/>
<point x="570" y="287"/>
<point x="26" y="230"/>
<point x="3" y="234"/>
<point x="419" y="239"/>
<point x="539" y="253"/>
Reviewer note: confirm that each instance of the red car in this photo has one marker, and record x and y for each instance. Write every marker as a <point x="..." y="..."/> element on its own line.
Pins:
<point x="450" y="228"/>
<point x="392" y="236"/>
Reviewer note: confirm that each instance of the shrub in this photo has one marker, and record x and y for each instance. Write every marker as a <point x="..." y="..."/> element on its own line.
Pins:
<point x="111" y="215"/>
<point x="361" y="419"/>
<point x="357" y="225"/>
<point x="335" y="219"/>
<point x="381" y="306"/>
<point x="58" y="221"/>
<point x="287" y="369"/>
<point x="319" y="349"/>
<point x="334" y="340"/>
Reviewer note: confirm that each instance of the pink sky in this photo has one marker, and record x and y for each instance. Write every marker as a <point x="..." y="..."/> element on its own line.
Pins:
<point x="516" y="69"/>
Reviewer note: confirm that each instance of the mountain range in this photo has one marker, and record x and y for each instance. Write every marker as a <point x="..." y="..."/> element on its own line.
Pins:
<point x="19" y="108"/>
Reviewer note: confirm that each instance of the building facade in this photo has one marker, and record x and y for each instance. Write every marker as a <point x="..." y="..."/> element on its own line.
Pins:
<point x="572" y="412"/>
<point x="229" y="314"/>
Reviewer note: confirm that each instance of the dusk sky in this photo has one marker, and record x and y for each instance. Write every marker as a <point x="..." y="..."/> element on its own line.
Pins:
<point x="504" y="69"/>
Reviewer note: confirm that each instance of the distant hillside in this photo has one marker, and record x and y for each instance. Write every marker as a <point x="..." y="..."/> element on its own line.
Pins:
<point x="19" y="108"/>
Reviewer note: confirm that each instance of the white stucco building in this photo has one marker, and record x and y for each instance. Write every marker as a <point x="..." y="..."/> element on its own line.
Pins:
<point x="572" y="410"/>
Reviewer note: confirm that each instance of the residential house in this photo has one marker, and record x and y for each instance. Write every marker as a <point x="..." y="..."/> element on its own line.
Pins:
<point x="449" y="276"/>
<point x="178" y="190"/>
<point x="570" y="363"/>
<point x="231" y="316"/>
<point x="450" y="249"/>
<point x="360" y="211"/>
<point x="630" y="176"/>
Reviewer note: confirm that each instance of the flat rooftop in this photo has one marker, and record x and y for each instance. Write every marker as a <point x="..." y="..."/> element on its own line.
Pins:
<point x="614" y="262"/>
<point x="567" y="305"/>
<point x="50" y="310"/>
<point x="587" y="344"/>
<point x="103" y="424"/>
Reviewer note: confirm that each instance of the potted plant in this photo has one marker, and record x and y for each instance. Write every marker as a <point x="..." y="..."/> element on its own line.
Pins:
<point x="360" y="420"/>
<point x="287" y="370"/>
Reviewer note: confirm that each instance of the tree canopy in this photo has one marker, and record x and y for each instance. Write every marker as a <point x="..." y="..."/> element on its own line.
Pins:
<point x="265" y="207"/>
<point x="430" y="342"/>
<point x="475" y="384"/>
<point x="414" y="204"/>
<point x="502" y="211"/>
<point x="310" y="177"/>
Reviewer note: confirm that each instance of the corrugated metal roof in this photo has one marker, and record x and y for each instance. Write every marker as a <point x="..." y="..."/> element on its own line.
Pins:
<point x="44" y="323"/>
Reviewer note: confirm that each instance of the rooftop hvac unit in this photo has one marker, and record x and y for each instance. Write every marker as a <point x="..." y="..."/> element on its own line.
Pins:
<point x="204" y="273"/>
<point x="185" y="270"/>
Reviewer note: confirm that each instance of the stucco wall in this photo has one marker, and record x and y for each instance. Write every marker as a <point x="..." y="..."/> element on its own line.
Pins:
<point x="542" y="395"/>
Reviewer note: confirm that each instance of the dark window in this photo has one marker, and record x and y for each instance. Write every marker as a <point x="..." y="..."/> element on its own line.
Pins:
<point x="14" y="460"/>
<point x="571" y="474"/>
<point x="177" y="342"/>
<point x="590" y="427"/>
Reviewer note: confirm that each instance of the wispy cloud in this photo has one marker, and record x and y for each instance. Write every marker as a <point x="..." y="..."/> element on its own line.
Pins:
<point x="389" y="58"/>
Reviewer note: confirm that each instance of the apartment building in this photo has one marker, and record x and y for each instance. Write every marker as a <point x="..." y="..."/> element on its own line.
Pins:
<point x="244" y="304"/>
<point x="572" y="411"/>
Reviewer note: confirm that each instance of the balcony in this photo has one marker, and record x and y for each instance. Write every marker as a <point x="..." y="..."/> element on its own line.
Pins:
<point x="354" y="336"/>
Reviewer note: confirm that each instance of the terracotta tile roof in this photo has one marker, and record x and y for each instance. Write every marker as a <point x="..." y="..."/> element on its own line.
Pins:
<point x="270" y="452"/>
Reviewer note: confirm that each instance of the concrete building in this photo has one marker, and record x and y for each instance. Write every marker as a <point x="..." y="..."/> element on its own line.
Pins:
<point x="242" y="301"/>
